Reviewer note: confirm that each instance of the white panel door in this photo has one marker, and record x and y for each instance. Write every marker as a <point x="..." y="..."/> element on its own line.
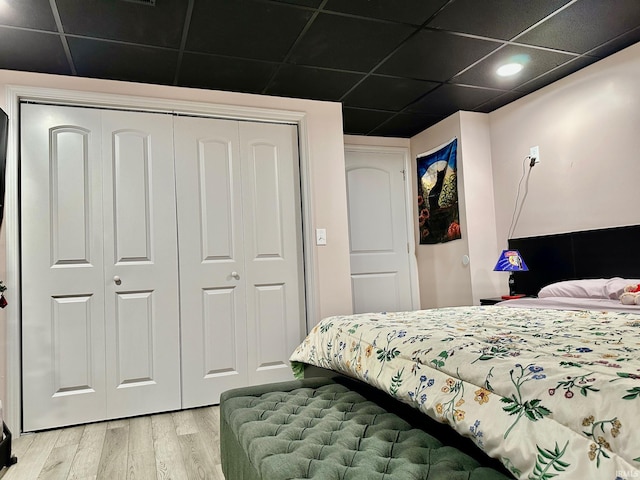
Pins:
<point x="100" y="322"/>
<point x="141" y="264"/>
<point x="212" y="286"/>
<point x="63" y="342"/>
<point x="240" y="248"/>
<point x="380" y="275"/>
<point x="273" y="248"/>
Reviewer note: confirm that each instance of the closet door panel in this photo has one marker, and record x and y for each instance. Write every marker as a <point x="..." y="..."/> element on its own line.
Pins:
<point x="266" y="213"/>
<point x="271" y="327"/>
<point x="63" y="364"/>
<point x="212" y="291"/>
<point x="141" y="264"/>
<point x="216" y="200"/>
<point x="134" y="338"/>
<point x="71" y="345"/>
<point x="219" y="337"/>
<point x="132" y="185"/>
<point x="273" y="243"/>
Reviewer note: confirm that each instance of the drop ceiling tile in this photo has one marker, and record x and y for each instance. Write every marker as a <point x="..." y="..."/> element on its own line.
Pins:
<point x="326" y="58"/>
<point x="585" y="25"/>
<point x="436" y="56"/>
<point x="560" y="72"/>
<point x="32" y="51"/>
<point x="536" y="62"/>
<point x="501" y="19"/>
<point x="415" y="12"/>
<point x="221" y="73"/>
<point x="387" y="93"/>
<point x="499" y="102"/>
<point x="448" y="99"/>
<point x="303" y="3"/>
<point x="27" y="13"/>
<point x="358" y="121"/>
<point x="247" y="29"/>
<point x="117" y="61"/>
<point x="406" y="125"/>
<point x="347" y="43"/>
<point x="312" y="83"/>
<point x="623" y="41"/>
<point x="160" y="25"/>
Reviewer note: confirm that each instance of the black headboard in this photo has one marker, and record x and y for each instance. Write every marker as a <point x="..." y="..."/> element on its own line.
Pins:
<point x="605" y="253"/>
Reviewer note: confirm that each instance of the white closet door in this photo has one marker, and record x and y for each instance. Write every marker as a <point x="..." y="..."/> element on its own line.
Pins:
<point x="380" y="267"/>
<point x="141" y="265"/>
<point x="212" y="273"/>
<point x="100" y="320"/>
<point x="63" y="334"/>
<point x="240" y="247"/>
<point x="273" y="248"/>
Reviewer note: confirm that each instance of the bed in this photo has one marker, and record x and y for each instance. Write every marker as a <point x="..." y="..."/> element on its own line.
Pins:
<point x="550" y="386"/>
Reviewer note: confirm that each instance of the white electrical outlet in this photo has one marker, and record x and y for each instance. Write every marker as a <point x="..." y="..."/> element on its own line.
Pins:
<point x="534" y="152"/>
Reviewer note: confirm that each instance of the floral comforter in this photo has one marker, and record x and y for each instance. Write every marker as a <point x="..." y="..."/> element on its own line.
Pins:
<point x="552" y="394"/>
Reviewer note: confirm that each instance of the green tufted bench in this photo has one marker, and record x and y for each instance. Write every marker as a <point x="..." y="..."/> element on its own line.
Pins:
<point x="329" y="429"/>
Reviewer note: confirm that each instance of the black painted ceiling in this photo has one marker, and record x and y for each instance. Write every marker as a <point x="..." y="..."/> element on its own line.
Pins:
<point x="397" y="66"/>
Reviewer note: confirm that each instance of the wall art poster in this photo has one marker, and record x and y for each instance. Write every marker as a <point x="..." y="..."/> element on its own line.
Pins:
<point x="438" y="214"/>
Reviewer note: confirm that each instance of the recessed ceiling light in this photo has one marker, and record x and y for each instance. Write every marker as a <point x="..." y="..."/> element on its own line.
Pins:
<point x="509" y="69"/>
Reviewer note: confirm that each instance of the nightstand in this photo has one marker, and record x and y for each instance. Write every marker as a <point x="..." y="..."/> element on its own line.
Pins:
<point x="491" y="301"/>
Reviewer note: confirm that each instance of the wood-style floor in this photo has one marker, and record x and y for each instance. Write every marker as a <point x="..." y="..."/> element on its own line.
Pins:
<point x="177" y="445"/>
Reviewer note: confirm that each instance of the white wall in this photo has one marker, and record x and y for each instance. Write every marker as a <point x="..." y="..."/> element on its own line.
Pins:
<point x="327" y="178"/>
<point x="376" y="141"/>
<point x="444" y="280"/>
<point x="588" y="128"/>
<point x="484" y="247"/>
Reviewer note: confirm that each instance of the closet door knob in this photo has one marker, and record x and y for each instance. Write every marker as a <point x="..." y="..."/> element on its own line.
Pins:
<point x="117" y="280"/>
<point x="235" y="275"/>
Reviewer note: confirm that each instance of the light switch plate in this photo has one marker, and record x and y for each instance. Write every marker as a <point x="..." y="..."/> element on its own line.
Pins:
<point x="321" y="236"/>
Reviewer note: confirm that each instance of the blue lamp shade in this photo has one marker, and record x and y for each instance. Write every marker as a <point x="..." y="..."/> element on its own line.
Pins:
<point x="510" y="261"/>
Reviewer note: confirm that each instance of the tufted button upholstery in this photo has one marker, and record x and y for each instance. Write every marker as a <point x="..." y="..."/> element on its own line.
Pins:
<point x="328" y="431"/>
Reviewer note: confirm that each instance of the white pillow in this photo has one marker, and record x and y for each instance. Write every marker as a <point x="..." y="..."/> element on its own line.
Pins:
<point x="593" y="288"/>
<point x="615" y="286"/>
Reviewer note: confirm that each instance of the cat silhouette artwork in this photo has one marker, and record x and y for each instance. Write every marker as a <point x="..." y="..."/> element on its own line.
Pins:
<point x="438" y="217"/>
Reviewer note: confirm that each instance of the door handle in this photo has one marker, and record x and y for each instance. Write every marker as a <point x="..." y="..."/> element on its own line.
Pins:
<point x="235" y="275"/>
<point x="116" y="280"/>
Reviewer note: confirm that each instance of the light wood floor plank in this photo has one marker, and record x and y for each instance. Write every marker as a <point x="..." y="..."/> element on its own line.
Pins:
<point x="113" y="461"/>
<point x="218" y="475"/>
<point x="85" y="463"/>
<point x="70" y="436"/>
<point x="169" y="463"/>
<point x="209" y="424"/>
<point x="31" y="463"/>
<point x="176" y="446"/>
<point x="20" y="443"/>
<point x="185" y="422"/>
<point x="58" y="463"/>
<point x="122" y="422"/>
<point x="141" y="465"/>
<point x="140" y="434"/>
<point x="141" y="461"/>
<point x="197" y="458"/>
